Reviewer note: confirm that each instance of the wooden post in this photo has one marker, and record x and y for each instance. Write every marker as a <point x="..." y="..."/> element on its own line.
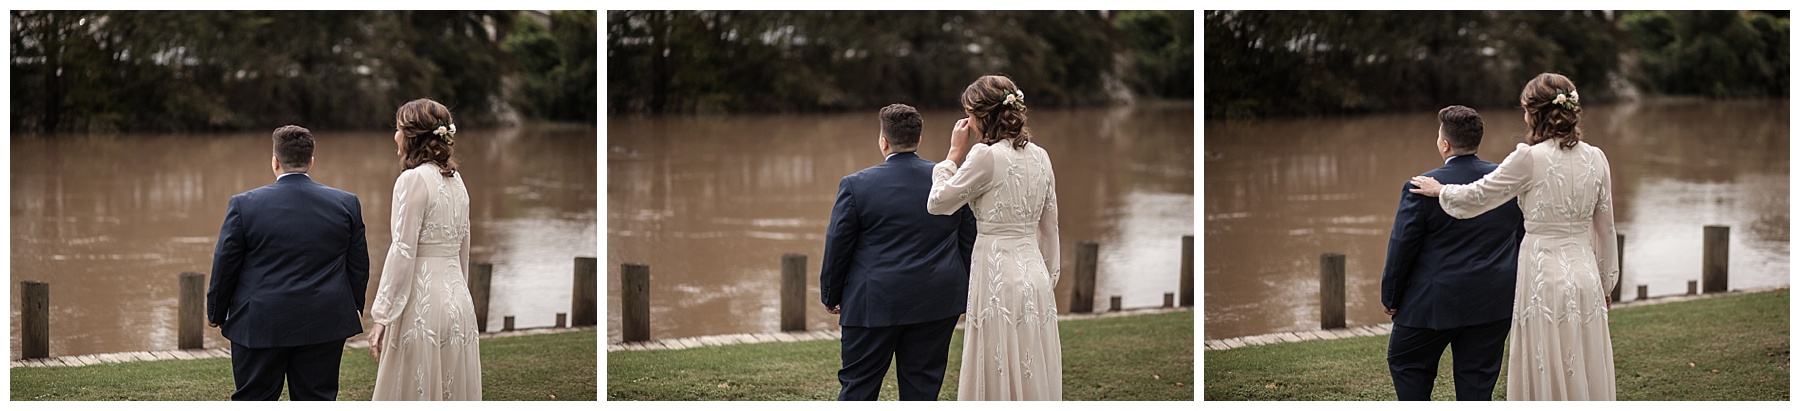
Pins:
<point x="1619" y="288"/>
<point x="1117" y="303"/>
<point x="562" y="319"/>
<point x="509" y="324"/>
<point x="793" y="292"/>
<point x="34" y="320"/>
<point x="481" y="280"/>
<point x="634" y="306"/>
<point x="190" y="311"/>
<point x="1643" y="291"/>
<point x="584" y="312"/>
<point x="1715" y="262"/>
<point x="1087" y="259"/>
<point x="1187" y="271"/>
<point x="1168" y="300"/>
<point x="1693" y="287"/>
<point x="1331" y="291"/>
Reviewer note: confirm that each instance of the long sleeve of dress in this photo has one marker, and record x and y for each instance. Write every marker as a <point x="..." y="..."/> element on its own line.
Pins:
<point x="1049" y="234"/>
<point x="410" y="199"/>
<point x="1607" y="248"/>
<point x="952" y="187"/>
<point x="1505" y="182"/>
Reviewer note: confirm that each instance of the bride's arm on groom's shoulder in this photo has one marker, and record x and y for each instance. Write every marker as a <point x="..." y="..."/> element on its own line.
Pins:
<point x="1505" y="182"/>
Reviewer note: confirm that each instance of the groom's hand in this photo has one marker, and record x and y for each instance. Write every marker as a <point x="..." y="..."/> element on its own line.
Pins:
<point x="1390" y="312"/>
<point x="834" y="310"/>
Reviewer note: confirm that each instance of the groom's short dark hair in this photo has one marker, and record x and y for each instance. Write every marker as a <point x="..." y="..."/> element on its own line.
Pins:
<point x="900" y="125"/>
<point x="1462" y="127"/>
<point x="293" y="147"/>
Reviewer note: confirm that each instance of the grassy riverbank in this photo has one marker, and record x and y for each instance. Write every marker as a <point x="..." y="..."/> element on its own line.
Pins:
<point x="1142" y="357"/>
<point x="1714" y="349"/>
<point x="556" y="366"/>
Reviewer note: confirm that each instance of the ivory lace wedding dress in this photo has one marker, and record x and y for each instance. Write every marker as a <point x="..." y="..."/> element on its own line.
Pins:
<point x="1568" y="262"/>
<point x="1011" y="349"/>
<point x="432" y="350"/>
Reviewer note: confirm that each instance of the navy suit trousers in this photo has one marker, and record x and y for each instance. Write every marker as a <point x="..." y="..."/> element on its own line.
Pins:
<point x="1475" y="352"/>
<point x="920" y="350"/>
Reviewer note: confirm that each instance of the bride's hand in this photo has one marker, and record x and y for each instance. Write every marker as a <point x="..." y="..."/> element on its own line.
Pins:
<point x="959" y="142"/>
<point x="1427" y="186"/>
<point x="375" y="340"/>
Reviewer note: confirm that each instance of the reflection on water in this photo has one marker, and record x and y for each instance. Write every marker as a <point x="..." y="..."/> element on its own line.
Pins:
<point x="1282" y="192"/>
<point x="110" y="221"/>
<point x="711" y="203"/>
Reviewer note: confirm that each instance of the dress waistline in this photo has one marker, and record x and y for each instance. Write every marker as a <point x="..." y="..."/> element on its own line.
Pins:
<point x="439" y="250"/>
<point x="1557" y="229"/>
<point x="1006" y="229"/>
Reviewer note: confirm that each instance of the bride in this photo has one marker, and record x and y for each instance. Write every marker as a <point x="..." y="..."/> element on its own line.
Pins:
<point x="1011" y="349"/>
<point x="424" y="339"/>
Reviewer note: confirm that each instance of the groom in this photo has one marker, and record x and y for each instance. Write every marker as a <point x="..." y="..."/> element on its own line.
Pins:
<point x="897" y="275"/>
<point x="1449" y="282"/>
<point x="288" y="279"/>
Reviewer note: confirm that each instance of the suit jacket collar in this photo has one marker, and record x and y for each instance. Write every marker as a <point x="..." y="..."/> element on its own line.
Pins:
<point x="1462" y="159"/>
<point x="902" y="157"/>
<point x="296" y="178"/>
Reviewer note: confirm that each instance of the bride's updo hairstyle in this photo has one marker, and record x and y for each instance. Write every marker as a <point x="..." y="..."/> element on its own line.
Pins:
<point x="1552" y="110"/>
<point x="419" y="121"/>
<point x="998" y="106"/>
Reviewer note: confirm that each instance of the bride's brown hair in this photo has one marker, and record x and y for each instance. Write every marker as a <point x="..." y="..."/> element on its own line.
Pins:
<point x="985" y="100"/>
<point x="1548" y="119"/>
<point x="418" y="121"/>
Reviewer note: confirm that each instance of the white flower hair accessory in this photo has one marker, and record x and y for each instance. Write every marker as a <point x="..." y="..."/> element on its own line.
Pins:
<point x="1016" y="98"/>
<point x="448" y="133"/>
<point x="1567" y="98"/>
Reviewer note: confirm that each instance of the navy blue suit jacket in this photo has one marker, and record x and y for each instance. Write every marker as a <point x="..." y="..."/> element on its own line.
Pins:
<point x="291" y="266"/>
<point x="888" y="261"/>
<point x="1445" y="273"/>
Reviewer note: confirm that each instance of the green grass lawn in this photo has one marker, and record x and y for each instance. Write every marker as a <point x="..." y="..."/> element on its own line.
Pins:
<point x="1743" y="337"/>
<point x="1144" y="357"/>
<point x="556" y="366"/>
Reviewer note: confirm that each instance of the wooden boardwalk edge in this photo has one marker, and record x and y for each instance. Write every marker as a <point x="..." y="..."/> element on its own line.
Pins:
<point x="814" y="335"/>
<point x="202" y="353"/>
<point x="1388" y="327"/>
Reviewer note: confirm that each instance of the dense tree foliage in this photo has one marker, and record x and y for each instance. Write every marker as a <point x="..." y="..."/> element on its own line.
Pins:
<point x="1717" y="54"/>
<point x="729" y="61"/>
<point x="105" y="71"/>
<point x="559" y="71"/>
<point x="1327" y="62"/>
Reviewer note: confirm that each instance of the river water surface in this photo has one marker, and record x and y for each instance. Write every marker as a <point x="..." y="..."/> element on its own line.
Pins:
<point x="1281" y="192"/>
<point x="111" y="221"/>
<point x="711" y="203"/>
